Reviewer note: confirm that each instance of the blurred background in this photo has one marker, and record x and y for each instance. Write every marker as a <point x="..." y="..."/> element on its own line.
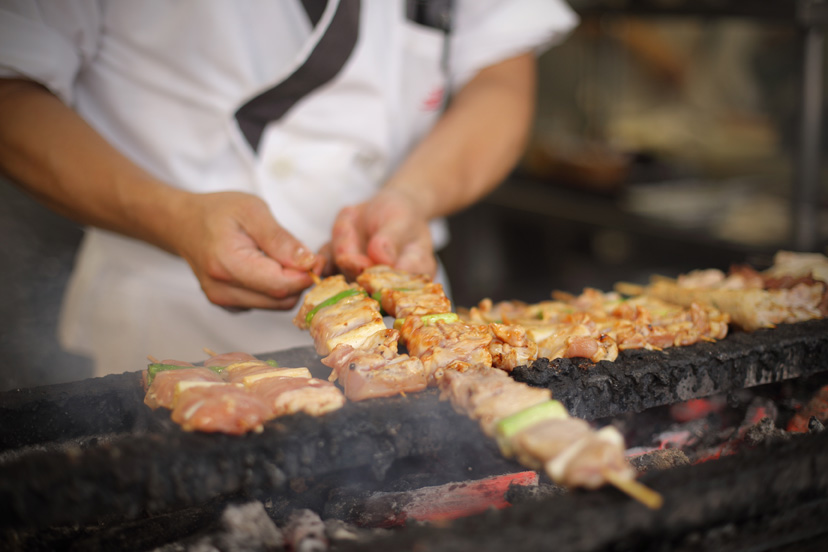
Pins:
<point x="670" y="135"/>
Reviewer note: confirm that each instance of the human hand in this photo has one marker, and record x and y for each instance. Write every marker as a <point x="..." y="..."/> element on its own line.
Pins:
<point x="388" y="229"/>
<point x="241" y="256"/>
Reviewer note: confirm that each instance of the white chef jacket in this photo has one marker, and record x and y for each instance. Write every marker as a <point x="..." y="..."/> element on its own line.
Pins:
<point x="163" y="82"/>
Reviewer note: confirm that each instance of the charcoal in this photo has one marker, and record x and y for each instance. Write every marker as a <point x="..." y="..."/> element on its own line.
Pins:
<point x="764" y="431"/>
<point x="762" y="407"/>
<point x="161" y="472"/>
<point x="99" y="406"/>
<point x="641" y="379"/>
<point x="55" y="413"/>
<point x="91" y="453"/>
<point x="814" y="425"/>
<point x="519" y="494"/>
<point x="166" y="533"/>
<point x="659" y="460"/>
<point x="247" y="527"/>
<point x="338" y="530"/>
<point x="305" y="532"/>
<point x="754" y="492"/>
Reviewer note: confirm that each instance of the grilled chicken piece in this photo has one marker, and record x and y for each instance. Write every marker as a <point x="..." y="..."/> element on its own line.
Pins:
<point x="380" y="277"/>
<point x="351" y="321"/>
<point x="511" y="400"/>
<point x="595" y="325"/>
<point x="220" y="407"/>
<point x="402" y="294"/>
<point x="544" y="441"/>
<point x="377" y="369"/>
<point x="382" y="343"/>
<point x="161" y="392"/>
<point x="511" y="347"/>
<point x="586" y="462"/>
<point x="445" y="346"/>
<point x="253" y="373"/>
<point x="463" y="389"/>
<point x="324" y="290"/>
<point x="788" y="292"/>
<point x="363" y="379"/>
<point x="430" y="299"/>
<point x="567" y="340"/>
<point x="290" y="395"/>
<point x="503" y="312"/>
<point x="228" y="359"/>
<point x="571" y="452"/>
<point x="489" y="395"/>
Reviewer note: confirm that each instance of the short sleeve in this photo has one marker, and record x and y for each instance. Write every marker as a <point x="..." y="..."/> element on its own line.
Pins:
<point x="486" y="32"/>
<point x="48" y="41"/>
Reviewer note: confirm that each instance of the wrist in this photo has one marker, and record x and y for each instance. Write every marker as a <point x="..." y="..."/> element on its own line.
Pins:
<point x="159" y="213"/>
<point x="420" y="197"/>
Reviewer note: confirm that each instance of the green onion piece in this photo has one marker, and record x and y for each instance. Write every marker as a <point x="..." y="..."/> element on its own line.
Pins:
<point x="514" y="424"/>
<point x="216" y="369"/>
<point x="155" y="367"/>
<point x="377" y="296"/>
<point x="272" y="362"/>
<point x="442" y="317"/>
<point x="333" y="300"/>
<point x="550" y="410"/>
<point x="398" y="322"/>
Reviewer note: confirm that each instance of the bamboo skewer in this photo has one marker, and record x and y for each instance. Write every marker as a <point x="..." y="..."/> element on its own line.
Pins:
<point x="152" y="359"/>
<point x="210" y="352"/>
<point x="645" y="495"/>
<point x="316" y="279"/>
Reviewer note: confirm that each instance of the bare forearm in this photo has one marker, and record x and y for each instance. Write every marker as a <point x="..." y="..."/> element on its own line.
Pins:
<point x="476" y="142"/>
<point x="57" y="157"/>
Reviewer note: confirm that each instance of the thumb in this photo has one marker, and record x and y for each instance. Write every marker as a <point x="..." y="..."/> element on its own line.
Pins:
<point x="275" y="241"/>
<point x="384" y="246"/>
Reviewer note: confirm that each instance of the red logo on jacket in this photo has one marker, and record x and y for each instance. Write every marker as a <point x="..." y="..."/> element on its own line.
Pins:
<point x="434" y="100"/>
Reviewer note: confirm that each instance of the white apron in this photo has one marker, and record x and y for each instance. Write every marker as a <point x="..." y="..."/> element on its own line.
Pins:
<point x="166" y="83"/>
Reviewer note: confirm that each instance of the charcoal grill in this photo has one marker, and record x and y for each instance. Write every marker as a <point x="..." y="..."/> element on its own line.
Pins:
<point x="87" y="466"/>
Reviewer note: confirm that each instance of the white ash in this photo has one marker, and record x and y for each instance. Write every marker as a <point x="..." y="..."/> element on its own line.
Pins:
<point x="765" y="431"/>
<point x="305" y="532"/>
<point x="244" y="528"/>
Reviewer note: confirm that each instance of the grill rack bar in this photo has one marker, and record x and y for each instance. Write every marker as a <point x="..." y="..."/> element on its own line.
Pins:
<point x="642" y="379"/>
<point x="150" y="466"/>
<point x="761" y="499"/>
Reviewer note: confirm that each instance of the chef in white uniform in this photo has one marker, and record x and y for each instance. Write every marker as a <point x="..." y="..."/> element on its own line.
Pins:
<point x="219" y="150"/>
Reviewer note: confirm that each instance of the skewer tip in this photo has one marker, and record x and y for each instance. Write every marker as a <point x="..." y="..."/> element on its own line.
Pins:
<point x="315" y="277"/>
<point x="210" y="352"/>
<point x="152" y="359"/>
<point x="643" y="494"/>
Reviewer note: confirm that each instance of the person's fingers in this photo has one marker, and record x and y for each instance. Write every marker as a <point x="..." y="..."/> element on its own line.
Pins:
<point x="403" y="241"/>
<point x="237" y="261"/>
<point x="386" y="245"/>
<point x="348" y="236"/>
<point x="352" y="265"/>
<point x="418" y="257"/>
<point x="348" y="242"/>
<point x="274" y="240"/>
<point x="234" y="297"/>
<point x="325" y="263"/>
